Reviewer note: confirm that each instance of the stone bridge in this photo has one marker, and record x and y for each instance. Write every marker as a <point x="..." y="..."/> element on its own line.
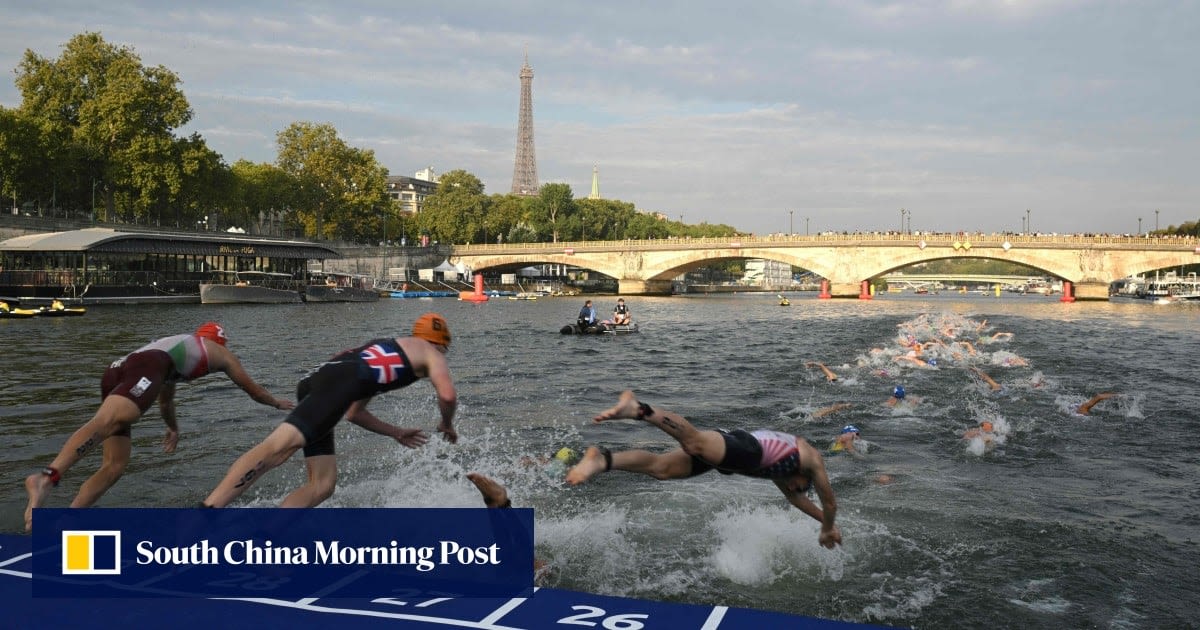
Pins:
<point x="648" y="267"/>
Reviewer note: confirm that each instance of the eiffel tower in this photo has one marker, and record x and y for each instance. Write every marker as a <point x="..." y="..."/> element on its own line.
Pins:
<point x="525" y="180"/>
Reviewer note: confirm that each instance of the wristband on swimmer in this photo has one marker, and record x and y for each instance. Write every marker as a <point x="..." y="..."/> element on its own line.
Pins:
<point x="607" y="458"/>
<point x="53" y="474"/>
<point x="644" y="411"/>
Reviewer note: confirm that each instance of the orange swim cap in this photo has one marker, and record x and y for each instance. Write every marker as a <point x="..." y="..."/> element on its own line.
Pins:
<point x="432" y="328"/>
<point x="213" y="331"/>
<point x="985" y="425"/>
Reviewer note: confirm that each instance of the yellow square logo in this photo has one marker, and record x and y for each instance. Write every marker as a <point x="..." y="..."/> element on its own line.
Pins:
<point x="91" y="552"/>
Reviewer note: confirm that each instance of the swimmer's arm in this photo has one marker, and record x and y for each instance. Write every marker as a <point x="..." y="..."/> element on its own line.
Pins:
<point x="801" y="501"/>
<point x="824" y="411"/>
<point x="358" y="414"/>
<point x="228" y="363"/>
<point x="1087" y="406"/>
<point x="825" y="492"/>
<point x="447" y="397"/>
<point x="166" y="406"/>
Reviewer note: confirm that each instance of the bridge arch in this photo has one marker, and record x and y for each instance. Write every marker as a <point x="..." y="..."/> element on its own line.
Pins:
<point x="1091" y="263"/>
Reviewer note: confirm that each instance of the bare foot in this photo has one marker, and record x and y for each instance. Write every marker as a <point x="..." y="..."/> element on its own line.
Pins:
<point x="38" y="486"/>
<point x="626" y="408"/>
<point x="494" y="494"/>
<point x="591" y="465"/>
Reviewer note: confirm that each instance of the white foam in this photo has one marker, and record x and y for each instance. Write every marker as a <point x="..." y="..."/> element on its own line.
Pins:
<point x="758" y="545"/>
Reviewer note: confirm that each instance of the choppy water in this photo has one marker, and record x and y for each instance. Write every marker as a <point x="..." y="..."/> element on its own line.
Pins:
<point x="1072" y="521"/>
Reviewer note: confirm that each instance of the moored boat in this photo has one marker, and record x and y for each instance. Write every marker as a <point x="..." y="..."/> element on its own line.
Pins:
<point x="11" y="312"/>
<point x="58" y="310"/>
<point x="342" y="287"/>
<point x="1169" y="287"/>
<point x="250" y="287"/>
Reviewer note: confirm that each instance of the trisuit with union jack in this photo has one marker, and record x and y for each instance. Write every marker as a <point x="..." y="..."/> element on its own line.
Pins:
<point x="338" y="389"/>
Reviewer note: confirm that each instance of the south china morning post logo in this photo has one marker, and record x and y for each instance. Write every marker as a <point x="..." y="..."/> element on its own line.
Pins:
<point x="347" y="552"/>
<point x="91" y="552"/>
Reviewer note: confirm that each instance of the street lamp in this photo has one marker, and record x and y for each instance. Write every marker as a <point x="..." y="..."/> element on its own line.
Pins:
<point x="790" y="230"/>
<point x="1028" y="222"/>
<point x="1139" y="226"/>
<point x="1022" y="225"/>
<point x="806" y="226"/>
<point x="902" y="213"/>
<point x="908" y="228"/>
<point x="385" y="226"/>
<point x="1156" y="221"/>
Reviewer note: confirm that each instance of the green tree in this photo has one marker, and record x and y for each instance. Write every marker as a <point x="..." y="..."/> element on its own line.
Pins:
<point x="262" y="192"/>
<point x="341" y="189"/>
<point x="108" y="118"/>
<point x="21" y="156"/>
<point x="554" y="201"/>
<point x="644" y="225"/>
<point x="457" y="211"/>
<point x="206" y="186"/>
<point x="505" y="213"/>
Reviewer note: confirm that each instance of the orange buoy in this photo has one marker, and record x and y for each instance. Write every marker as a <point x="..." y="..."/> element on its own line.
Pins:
<point x="865" y="292"/>
<point x="477" y="295"/>
<point x="1068" y="292"/>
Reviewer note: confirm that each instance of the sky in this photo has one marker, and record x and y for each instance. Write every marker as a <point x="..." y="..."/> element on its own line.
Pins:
<point x="770" y="116"/>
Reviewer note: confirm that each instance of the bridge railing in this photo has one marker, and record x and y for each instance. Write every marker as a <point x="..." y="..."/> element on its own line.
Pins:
<point x="859" y="238"/>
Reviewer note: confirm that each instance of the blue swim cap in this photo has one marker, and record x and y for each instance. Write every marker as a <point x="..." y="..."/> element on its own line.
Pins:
<point x="850" y="428"/>
<point x="933" y="362"/>
<point x="898" y="392"/>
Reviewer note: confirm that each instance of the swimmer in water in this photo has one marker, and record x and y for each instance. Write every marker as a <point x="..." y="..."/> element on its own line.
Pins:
<point x="556" y="466"/>
<point x="987" y="379"/>
<point x="787" y="460"/>
<point x="825" y="411"/>
<point x="1087" y="406"/>
<point x="846" y="441"/>
<point x="829" y="374"/>
<point x="985" y="430"/>
<point x="898" y="394"/>
<point x="495" y="495"/>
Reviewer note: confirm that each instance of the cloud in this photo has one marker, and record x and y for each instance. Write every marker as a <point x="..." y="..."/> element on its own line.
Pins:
<point x="966" y="112"/>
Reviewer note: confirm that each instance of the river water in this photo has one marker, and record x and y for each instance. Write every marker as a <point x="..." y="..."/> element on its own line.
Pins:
<point x="1070" y="521"/>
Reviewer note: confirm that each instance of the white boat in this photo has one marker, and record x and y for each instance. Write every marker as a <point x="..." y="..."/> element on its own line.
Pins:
<point x="1169" y="287"/>
<point x="252" y="287"/>
<point x="341" y="287"/>
<point x="1172" y="285"/>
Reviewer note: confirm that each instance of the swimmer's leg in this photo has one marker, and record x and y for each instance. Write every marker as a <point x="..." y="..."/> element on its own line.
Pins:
<point x="676" y="464"/>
